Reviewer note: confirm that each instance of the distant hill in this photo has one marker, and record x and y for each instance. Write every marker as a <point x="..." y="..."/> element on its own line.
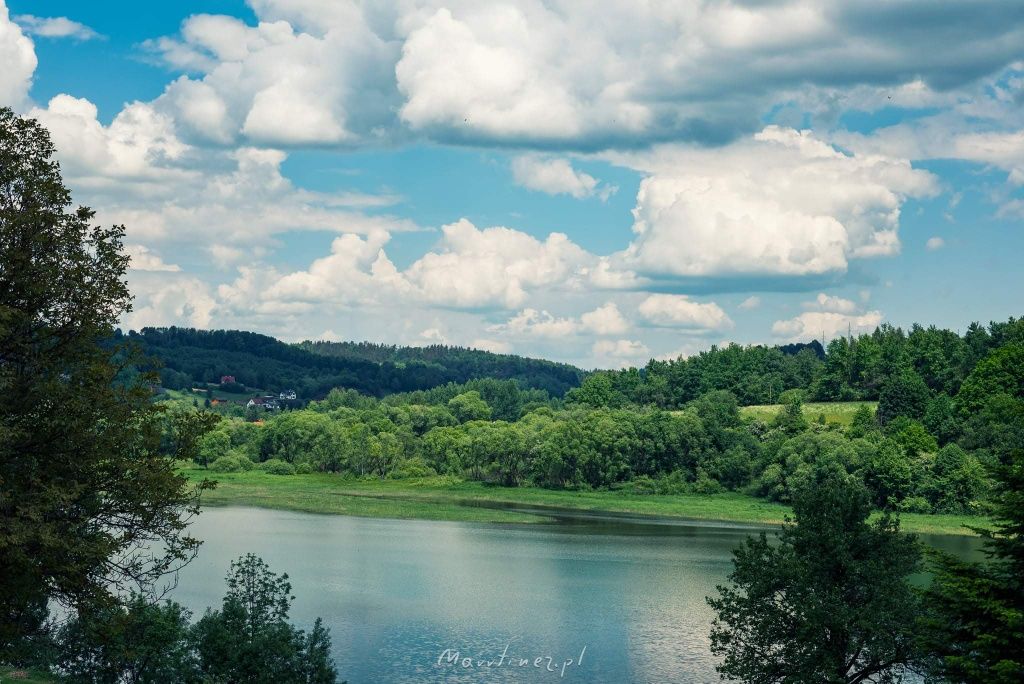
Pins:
<point x="312" y="369"/>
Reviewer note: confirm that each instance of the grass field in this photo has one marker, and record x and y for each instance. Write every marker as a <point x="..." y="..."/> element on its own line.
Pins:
<point x="835" y="412"/>
<point x="445" y="499"/>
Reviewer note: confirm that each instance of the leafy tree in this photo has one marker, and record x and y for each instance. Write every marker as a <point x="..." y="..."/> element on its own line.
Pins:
<point x="863" y="422"/>
<point x="791" y="418"/>
<point x="888" y="474"/>
<point x="911" y="436"/>
<point x="1001" y="372"/>
<point x="469" y="406"/>
<point x="250" y="639"/>
<point x="829" y="603"/>
<point x="140" y="643"/>
<point x="974" y="631"/>
<point x="957" y="481"/>
<point x="82" y="484"/>
<point x="904" y="394"/>
<point x="189" y="429"/>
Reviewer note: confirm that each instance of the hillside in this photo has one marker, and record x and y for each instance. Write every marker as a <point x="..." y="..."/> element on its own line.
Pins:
<point x="189" y="357"/>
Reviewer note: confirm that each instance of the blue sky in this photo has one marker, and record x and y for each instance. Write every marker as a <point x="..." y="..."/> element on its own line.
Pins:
<point x="595" y="187"/>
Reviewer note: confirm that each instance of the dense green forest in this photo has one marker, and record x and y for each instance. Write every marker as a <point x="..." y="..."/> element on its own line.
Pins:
<point x="193" y="357"/>
<point x="852" y="367"/>
<point x="948" y="407"/>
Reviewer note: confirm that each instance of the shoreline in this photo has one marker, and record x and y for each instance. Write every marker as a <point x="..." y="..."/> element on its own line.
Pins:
<point x="443" y="498"/>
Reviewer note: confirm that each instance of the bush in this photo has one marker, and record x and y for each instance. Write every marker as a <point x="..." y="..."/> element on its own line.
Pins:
<point x="915" y="504"/>
<point x="413" y="467"/>
<point x="276" y="466"/>
<point x="232" y="463"/>
<point x="303" y="469"/>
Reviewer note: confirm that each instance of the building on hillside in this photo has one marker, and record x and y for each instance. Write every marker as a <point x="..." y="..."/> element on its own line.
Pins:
<point x="268" y="403"/>
<point x="287" y="395"/>
<point x="227" y="379"/>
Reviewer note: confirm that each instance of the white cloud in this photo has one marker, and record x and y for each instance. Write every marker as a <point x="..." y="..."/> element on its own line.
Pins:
<point x="824" y="302"/>
<point x="534" y="323"/>
<point x="494" y="266"/>
<point x="55" y="27"/>
<point x="679" y="311"/>
<point x="620" y="352"/>
<point x="271" y="84"/>
<point x="164" y="299"/>
<point x="144" y="259"/>
<point x="138" y="171"/>
<point x="782" y="203"/>
<point x="605" y="320"/>
<point x="339" y="72"/>
<point x="934" y="243"/>
<point x="18" y="57"/>
<point x="750" y="303"/>
<point x="813" y="324"/>
<point x="554" y="176"/>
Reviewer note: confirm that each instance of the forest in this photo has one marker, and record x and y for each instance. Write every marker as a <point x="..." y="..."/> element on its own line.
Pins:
<point x="191" y="357"/>
<point x="949" y="408"/>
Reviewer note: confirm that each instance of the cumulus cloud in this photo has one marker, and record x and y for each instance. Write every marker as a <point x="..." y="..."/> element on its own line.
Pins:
<point x="140" y="172"/>
<point x="605" y="320"/>
<point x="620" y="352"/>
<point x="555" y="176"/>
<point x="18" y="56"/>
<point x="782" y="203"/>
<point x="813" y="324"/>
<point x="494" y="266"/>
<point x="273" y="84"/>
<point x="169" y="299"/>
<point x="934" y="243"/>
<point x="144" y="259"/>
<point x="824" y="302"/>
<point x="679" y="311"/>
<point x="551" y="73"/>
<point x="533" y="323"/>
<point x="55" y="27"/>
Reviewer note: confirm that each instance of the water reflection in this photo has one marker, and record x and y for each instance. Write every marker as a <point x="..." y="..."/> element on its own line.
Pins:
<point x="397" y="593"/>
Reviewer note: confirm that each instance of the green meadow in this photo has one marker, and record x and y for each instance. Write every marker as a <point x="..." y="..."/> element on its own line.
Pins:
<point x="446" y="498"/>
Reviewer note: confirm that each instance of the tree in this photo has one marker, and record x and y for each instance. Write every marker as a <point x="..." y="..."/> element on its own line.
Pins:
<point x="974" y="630"/>
<point x="82" y="485"/>
<point x="250" y="639"/>
<point x="1001" y="372"/>
<point x="188" y="428"/>
<point x="904" y="394"/>
<point x="139" y="643"/>
<point x="829" y="603"/>
<point x="469" y="406"/>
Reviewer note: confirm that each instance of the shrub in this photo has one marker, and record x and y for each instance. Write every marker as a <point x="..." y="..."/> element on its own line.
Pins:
<point x="915" y="504"/>
<point x="413" y="467"/>
<point x="232" y="463"/>
<point x="276" y="466"/>
<point x="303" y="469"/>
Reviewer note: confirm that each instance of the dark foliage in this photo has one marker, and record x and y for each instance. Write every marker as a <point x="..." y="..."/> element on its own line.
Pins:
<point x="191" y="357"/>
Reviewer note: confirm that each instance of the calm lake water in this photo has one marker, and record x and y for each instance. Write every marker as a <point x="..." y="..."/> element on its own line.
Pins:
<point x="397" y="593"/>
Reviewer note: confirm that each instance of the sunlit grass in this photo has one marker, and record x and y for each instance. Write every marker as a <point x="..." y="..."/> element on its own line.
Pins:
<point x="442" y="498"/>
<point x="835" y="412"/>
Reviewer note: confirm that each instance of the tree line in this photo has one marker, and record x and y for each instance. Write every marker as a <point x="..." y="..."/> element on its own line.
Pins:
<point x="921" y="451"/>
<point x="190" y="357"/>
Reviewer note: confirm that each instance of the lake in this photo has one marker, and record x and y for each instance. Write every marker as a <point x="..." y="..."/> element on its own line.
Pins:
<point x="628" y="593"/>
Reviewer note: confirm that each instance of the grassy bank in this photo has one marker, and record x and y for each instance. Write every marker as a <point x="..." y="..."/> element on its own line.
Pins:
<point x="834" y="411"/>
<point x="445" y="499"/>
